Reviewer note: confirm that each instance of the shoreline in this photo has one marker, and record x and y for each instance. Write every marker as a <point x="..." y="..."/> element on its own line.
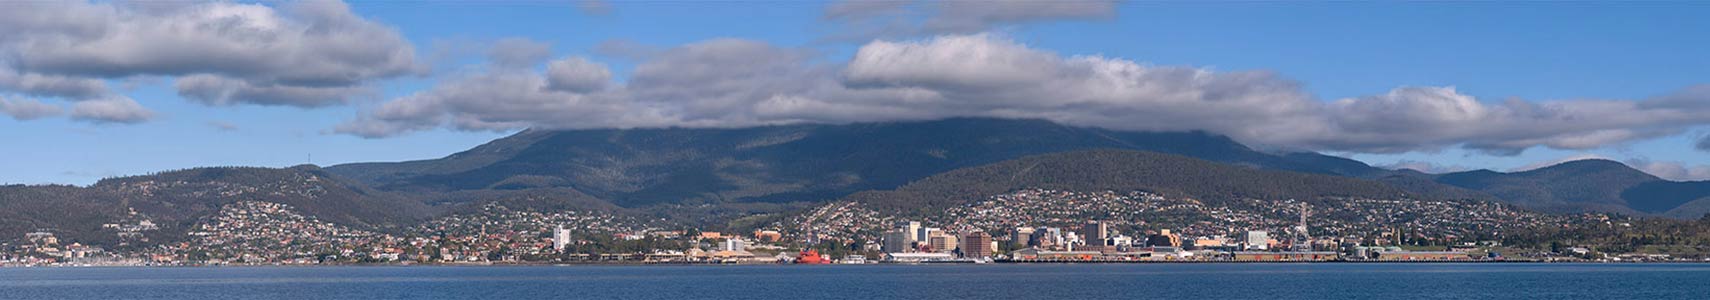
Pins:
<point x="594" y="264"/>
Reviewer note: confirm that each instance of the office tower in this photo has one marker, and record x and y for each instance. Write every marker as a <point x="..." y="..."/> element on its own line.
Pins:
<point x="897" y="241"/>
<point x="943" y="243"/>
<point x="977" y="245"/>
<point x="913" y="229"/>
<point x="1022" y="236"/>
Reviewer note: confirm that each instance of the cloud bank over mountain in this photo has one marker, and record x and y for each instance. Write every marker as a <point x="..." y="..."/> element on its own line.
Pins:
<point x="911" y="60"/>
<point x="734" y="82"/>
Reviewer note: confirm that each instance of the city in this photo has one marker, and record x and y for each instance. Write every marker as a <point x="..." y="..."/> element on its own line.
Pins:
<point x="1029" y="225"/>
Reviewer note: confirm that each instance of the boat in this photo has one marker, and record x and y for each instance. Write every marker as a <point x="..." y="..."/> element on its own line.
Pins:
<point x="811" y="257"/>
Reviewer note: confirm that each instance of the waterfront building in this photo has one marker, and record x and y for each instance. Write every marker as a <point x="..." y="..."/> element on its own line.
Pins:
<point x="924" y="234"/>
<point x="1165" y="238"/>
<point x="897" y="241"/>
<point x="1048" y="255"/>
<point x="977" y="245"/>
<point x="1023" y="236"/>
<point x="1207" y="242"/>
<point x="943" y="243"/>
<point x="1257" y="240"/>
<point x="913" y="229"/>
<point x="1118" y="243"/>
<point x="1393" y="253"/>
<point x="1047" y="238"/>
<point x="1283" y="256"/>
<point x="1094" y="233"/>
<point x="917" y="257"/>
<point x="733" y="244"/>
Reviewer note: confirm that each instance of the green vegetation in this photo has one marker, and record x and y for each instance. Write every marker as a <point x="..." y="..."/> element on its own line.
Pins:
<point x="1119" y="170"/>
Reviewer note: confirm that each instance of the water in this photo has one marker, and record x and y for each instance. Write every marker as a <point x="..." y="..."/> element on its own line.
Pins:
<point x="1032" y="281"/>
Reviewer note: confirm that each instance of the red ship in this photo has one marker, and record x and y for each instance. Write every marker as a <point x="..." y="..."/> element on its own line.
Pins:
<point x="811" y="257"/>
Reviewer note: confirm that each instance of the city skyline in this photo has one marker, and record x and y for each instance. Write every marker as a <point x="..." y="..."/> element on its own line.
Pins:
<point x="1467" y="85"/>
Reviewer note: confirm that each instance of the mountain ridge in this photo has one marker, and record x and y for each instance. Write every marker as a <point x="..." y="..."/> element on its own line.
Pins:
<point x="1589" y="185"/>
<point x="708" y="174"/>
<point x="638" y="167"/>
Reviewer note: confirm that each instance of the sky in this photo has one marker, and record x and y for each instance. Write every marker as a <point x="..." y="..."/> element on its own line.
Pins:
<point x="99" y="89"/>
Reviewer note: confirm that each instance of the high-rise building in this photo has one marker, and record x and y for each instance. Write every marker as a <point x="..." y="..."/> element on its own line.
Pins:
<point x="977" y="245"/>
<point x="897" y="241"/>
<point x="924" y="234"/>
<point x="943" y="243"/>
<point x="1022" y="236"/>
<point x="913" y="230"/>
<point x="1096" y="236"/>
<point x="560" y="238"/>
<point x="1094" y="233"/>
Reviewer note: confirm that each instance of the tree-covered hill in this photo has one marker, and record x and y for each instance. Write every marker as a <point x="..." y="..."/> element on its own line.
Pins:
<point x="1120" y="170"/>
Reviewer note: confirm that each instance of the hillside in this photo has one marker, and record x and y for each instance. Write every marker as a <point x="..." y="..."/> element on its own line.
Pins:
<point x="177" y="199"/>
<point x="1120" y="170"/>
<point x="1589" y="185"/>
<point x="642" y="167"/>
<point x="71" y="211"/>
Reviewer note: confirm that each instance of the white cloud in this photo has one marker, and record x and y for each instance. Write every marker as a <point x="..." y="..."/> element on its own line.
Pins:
<point x="307" y="54"/>
<point x="732" y="82"/>
<point x="225" y="91"/>
<point x="110" y="110"/>
<point x="51" y="85"/>
<point x="27" y="109"/>
<point x="1672" y="170"/>
<point x="494" y="99"/>
<point x="578" y="75"/>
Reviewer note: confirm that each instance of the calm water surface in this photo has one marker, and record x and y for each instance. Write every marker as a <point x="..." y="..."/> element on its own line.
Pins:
<point x="1042" y="281"/>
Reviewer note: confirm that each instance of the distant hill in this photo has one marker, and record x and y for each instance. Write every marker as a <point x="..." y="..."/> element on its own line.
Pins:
<point x="1589" y="185"/>
<point x="641" y="167"/>
<point x="70" y="211"/>
<point x="177" y="199"/>
<point x="713" y="175"/>
<point x="1120" y="170"/>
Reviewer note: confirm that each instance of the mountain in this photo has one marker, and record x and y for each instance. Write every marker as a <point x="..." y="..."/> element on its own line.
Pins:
<point x="641" y="167"/>
<point x="1589" y="185"/>
<point x="713" y="175"/>
<point x="1121" y="170"/>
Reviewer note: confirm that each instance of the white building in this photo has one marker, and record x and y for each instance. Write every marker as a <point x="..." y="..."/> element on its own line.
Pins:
<point x="560" y="238"/>
<point x="1258" y="240"/>
<point x="733" y="244"/>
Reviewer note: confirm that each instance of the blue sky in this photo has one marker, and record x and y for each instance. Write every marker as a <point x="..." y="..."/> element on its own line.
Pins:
<point x="1578" y="54"/>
